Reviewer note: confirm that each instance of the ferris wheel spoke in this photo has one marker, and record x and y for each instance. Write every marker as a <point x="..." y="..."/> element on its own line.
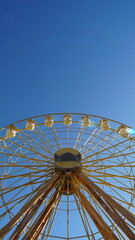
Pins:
<point x="45" y="140"/>
<point x="121" y="165"/>
<point x="101" y="211"/>
<point x="13" y="153"/>
<point x="113" y="214"/>
<point x="5" y="174"/>
<point x="110" y="212"/>
<point x="111" y="147"/>
<point x="92" y="141"/>
<point x="45" y="189"/>
<point x="122" y="151"/>
<point x="83" y="215"/>
<point x="67" y="136"/>
<point x="43" y="218"/>
<point x="106" y="197"/>
<point x="93" y="135"/>
<point x="27" y="218"/>
<point x="99" y="159"/>
<point x="23" y="167"/>
<point x="98" y="144"/>
<point x="50" y="223"/>
<point x="105" y="183"/>
<point x="25" y="137"/>
<point x="31" y="149"/>
<point x="106" y="149"/>
<point x="78" y="138"/>
<point x="55" y="135"/>
<point x="9" y="188"/>
<point x="109" y="157"/>
<point x="5" y="204"/>
<point x="84" y="219"/>
<point x="11" y="201"/>
<point x="15" y="188"/>
<point x="96" y="183"/>
<point x="35" y="190"/>
<point x="20" y="178"/>
<point x="25" y="157"/>
<point x="103" y="228"/>
<point x="12" y="175"/>
<point x="35" y="167"/>
<point x="22" y="198"/>
<point x="108" y="175"/>
<point x="120" y="198"/>
<point x="114" y="180"/>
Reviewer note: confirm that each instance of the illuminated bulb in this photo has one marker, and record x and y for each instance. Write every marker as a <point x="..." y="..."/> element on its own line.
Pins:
<point x="123" y="131"/>
<point x="67" y="120"/>
<point x="30" y="125"/>
<point x="86" y="121"/>
<point x="104" y="124"/>
<point x="11" y="132"/>
<point x="49" y="121"/>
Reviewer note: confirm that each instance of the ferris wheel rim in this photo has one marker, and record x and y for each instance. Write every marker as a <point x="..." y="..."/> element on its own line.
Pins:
<point x="121" y="141"/>
<point x="54" y="114"/>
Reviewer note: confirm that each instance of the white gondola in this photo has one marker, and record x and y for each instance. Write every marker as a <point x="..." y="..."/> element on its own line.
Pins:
<point x="104" y="124"/>
<point x="49" y="121"/>
<point x="86" y="121"/>
<point x="11" y="132"/>
<point x="67" y="120"/>
<point x="30" y="124"/>
<point x="123" y="131"/>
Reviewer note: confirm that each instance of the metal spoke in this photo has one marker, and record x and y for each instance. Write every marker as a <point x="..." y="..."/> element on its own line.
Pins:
<point x="53" y="173"/>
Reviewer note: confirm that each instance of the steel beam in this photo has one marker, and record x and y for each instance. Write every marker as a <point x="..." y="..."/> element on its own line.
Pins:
<point x="103" y="228"/>
<point x="109" y="205"/>
<point x="27" y="208"/>
<point x="87" y="182"/>
<point x="43" y="218"/>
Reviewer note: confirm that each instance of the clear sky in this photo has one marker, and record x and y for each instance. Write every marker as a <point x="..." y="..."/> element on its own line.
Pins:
<point x="67" y="56"/>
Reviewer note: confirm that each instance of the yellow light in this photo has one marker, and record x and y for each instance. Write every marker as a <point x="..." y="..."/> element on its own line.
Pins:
<point x="30" y="125"/>
<point x="104" y="124"/>
<point x="49" y="121"/>
<point x="86" y="121"/>
<point x="67" y="120"/>
<point x="123" y="131"/>
<point x="11" y="132"/>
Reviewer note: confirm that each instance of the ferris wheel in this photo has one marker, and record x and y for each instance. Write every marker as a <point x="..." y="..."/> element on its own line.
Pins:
<point x="67" y="176"/>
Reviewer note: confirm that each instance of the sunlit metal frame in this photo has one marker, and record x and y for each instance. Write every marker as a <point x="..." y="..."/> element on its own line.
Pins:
<point x="102" y="151"/>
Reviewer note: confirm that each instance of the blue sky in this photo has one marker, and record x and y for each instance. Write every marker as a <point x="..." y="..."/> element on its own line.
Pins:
<point x="67" y="56"/>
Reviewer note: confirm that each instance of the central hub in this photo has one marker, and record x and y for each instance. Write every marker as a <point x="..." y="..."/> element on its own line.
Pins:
<point x="67" y="160"/>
